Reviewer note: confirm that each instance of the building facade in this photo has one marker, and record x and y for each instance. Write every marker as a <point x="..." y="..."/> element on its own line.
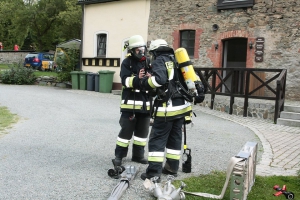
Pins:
<point x="107" y="25"/>
<point x="250" y="33"/>
<point x="216" y="33"/>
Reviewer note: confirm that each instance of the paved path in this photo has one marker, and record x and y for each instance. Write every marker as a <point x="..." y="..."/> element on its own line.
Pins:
<point x="281" y="144"/>
<point x="63" y="144"/>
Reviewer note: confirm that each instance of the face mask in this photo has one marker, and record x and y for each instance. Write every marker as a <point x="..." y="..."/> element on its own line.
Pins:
<point x="152" y="57"/>
<point x="140" y="51"/>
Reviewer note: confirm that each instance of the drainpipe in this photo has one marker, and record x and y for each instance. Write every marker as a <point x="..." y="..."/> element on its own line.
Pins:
<point x="82" y="25"/>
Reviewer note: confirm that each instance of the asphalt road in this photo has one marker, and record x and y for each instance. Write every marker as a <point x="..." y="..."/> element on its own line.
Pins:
<point x="63" y="144"/>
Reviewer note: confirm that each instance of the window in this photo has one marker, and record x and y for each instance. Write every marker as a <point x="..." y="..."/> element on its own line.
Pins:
<point x="187" y="41"/>
<point x="226" y="4"/>
<point x="101" y="45"/>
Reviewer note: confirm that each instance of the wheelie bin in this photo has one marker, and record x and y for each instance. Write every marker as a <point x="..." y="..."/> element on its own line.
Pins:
<point x="96" y="82"/>
<point x="105" y="81"/>
<point x="82" y="80"/>
<point x="75" y="80"/>
<point x="90" y="81"/>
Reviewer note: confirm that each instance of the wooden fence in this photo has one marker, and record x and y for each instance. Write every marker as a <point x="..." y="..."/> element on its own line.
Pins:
<point x="247" y="83"/>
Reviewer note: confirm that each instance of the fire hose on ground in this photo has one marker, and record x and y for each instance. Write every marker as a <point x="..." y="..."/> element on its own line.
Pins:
<point x="126" y="176"/>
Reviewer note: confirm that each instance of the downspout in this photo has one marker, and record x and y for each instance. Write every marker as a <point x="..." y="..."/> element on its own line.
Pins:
<point x="82" y="25"/>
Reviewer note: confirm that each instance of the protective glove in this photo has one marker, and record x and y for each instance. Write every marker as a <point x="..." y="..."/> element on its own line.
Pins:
<point x="201" y="95"/>
<point x="199" y="98"/>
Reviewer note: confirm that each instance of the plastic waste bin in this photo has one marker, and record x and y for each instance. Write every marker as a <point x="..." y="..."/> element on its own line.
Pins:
<point x="96" y="82"/>
<point x="75" y="80"/>
<point x="82" y="80"/>
<point x="90" y="86"/>
<point x="105" y="81"/>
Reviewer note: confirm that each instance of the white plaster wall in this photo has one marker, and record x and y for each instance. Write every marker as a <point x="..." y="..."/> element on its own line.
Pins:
<point x="120" y="20"/>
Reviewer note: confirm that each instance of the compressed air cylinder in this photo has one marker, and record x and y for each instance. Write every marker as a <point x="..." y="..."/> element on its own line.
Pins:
<point x="186" y="67"/>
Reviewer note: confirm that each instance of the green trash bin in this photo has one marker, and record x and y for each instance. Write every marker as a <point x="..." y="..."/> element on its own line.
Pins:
<point x="75" y="80"/>
<point x="105" y="81"/>
<point x="82" y="80"/>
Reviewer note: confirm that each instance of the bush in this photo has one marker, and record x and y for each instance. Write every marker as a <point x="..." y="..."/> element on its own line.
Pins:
<point x="19" y="75"/>
<point x="67" y="61"/>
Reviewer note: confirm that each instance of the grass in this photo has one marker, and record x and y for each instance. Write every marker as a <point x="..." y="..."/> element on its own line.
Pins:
<point x="6" y="119"/>
<point x="4" y="66"/>
<point x="37" y="73"/>
<point x="262" y="189"/>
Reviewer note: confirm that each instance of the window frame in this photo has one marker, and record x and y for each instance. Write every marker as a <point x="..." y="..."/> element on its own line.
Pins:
<point x="100" y="43"/>
<point x="189" y="39"/>
<point x="230" y="4"/>
<point x="96" y="49"/>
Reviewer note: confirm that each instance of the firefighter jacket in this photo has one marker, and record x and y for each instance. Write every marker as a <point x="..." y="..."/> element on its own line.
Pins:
<point x="134" y="99"/>
<point x="169" y="104"/>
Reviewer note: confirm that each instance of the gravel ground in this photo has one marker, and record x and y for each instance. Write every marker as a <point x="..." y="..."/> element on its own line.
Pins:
<point x="64" y="142"/>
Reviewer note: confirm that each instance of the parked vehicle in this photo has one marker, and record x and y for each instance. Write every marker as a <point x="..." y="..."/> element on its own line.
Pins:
<point x="40" y="60"/>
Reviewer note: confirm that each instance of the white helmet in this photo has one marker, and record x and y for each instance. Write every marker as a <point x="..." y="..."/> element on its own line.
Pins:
<point x="157" y="43"/>
<point x="136" y="41"/>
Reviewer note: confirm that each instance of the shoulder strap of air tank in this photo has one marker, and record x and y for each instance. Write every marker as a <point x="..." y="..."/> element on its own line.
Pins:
<point x="184" y="93"/>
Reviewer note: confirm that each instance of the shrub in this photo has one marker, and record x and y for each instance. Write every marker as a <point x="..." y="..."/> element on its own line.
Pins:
<point x="67" y="61"/>
<point x="19" y="75"/>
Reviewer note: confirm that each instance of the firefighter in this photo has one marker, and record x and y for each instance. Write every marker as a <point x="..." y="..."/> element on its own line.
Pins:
<point x="135" y="103"/>
<point x="169" y="111"/>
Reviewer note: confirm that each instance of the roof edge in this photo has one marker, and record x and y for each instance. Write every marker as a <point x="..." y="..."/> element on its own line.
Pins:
<point x="81" y="2"/>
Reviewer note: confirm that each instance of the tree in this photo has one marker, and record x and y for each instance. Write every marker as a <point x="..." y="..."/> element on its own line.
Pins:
<point x="71" y="20"/>
<point x="39" y="23"/>
<point x="52" y="21"/>
<point x="12" y="23"/>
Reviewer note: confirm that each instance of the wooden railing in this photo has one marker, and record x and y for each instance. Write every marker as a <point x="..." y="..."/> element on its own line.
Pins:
<point x="268" y="84"/>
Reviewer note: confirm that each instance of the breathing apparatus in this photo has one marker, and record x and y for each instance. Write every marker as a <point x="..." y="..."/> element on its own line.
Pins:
<point x="136" y="47"/>
<point x="191" y="79"/>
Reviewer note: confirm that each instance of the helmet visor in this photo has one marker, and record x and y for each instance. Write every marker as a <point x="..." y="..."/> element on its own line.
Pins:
<point x="140" y="51"/>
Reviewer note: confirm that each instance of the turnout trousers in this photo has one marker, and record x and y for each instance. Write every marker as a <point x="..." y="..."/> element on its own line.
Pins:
<point x="138" y="127"/>
<point x="165" y="135"/>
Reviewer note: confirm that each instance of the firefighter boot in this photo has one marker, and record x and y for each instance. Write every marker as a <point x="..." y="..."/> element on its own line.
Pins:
<point x="139" y="160"/>
<point x="145" y="175"/>
<point x="117" y="161"/>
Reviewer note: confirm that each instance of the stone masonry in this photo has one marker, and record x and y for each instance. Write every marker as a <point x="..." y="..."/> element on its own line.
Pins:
<point x="277" y="21"/>
<point x="260" y="109"/>
<point x="10" y="57"/>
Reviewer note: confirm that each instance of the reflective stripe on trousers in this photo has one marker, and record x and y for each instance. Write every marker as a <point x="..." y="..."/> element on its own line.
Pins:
<point x="164" y="135"/>
<point x="137" y="127"/>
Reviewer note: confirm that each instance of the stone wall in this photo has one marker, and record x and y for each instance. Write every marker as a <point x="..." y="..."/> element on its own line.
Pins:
<point x="278" y="21"/>
<point x="9" y="57"/>
<point x="261" y="109"/>
<point x="51" y="81"/>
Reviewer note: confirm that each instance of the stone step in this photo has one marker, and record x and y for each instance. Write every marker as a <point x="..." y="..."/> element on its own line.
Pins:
<point x="116" y="92"/>
<point x="288" y="122"/>
<point x="290" y="115"/>
<point x="292" y="109"/>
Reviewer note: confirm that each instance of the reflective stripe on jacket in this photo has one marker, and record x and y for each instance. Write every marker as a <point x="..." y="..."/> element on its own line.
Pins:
<point x="133" y="98"/>
<point x="163" y="73"/>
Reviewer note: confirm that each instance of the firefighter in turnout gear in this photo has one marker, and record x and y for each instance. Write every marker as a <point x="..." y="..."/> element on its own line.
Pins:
<point x="169" y="112"/>
<point x="135" y="103"/>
